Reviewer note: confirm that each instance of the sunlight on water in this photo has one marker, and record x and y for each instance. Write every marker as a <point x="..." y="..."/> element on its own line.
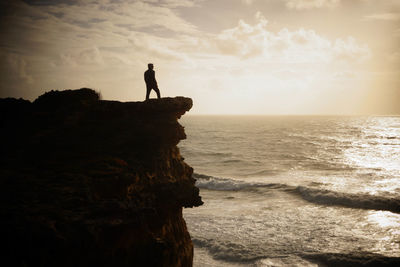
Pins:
<point x="384" y="218"/>
<point x="378" y="146"/>
<point x="375" y="151"/>
<point x="390" y="185"/>
<point x="279" y="188"/>
<point x="388" y="238"/>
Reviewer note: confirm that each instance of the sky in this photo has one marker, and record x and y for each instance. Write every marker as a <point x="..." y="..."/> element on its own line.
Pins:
<point x="230" y="56"/>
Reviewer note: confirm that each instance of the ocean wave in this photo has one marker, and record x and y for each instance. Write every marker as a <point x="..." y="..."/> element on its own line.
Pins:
<point x="232" y="161"/>
<point x="228" y="251"/>
<point x="226" y="184"/>
<point x="352" y="259"/>
<point x="310" y="194"/>
<point x="263" y="173"/>
<point x="233" y="252"/>
<point x="208" y="153"/>
<point x="360" y="201"/>
<point x="329" y="166"/>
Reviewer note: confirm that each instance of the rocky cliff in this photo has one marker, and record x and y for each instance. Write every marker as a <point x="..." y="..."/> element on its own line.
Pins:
<point x="87" y="182"/>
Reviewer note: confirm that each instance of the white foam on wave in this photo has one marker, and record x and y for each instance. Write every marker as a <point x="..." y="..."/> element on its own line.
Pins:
<point x="289" y="260"/>
<point x="202" y="258"/>
<point x="361" y="201"/>
<point x="226" y="184"/>
<point x="308" y="193"/>
<point x="222" y="184"/>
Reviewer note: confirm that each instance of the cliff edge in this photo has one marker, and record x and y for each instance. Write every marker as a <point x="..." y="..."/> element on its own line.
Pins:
<point x="87" y="182"/>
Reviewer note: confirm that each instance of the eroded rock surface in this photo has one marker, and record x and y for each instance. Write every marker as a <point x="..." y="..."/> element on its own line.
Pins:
<point x="87" y="182"/>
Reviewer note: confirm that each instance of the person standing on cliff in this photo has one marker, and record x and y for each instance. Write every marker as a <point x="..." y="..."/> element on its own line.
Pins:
<point x="151" y="83"/>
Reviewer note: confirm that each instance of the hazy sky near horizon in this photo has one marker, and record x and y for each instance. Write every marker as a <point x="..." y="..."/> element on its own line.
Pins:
<point x="230" y="56"/>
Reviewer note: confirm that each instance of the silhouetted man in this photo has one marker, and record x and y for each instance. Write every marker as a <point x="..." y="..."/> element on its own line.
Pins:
<point x="150" y="79"/>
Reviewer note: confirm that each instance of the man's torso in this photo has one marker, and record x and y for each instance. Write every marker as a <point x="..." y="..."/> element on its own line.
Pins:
<point x="149" y="77"/>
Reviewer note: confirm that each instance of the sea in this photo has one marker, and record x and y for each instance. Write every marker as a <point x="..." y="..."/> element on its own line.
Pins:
<point x="293" y="190"/>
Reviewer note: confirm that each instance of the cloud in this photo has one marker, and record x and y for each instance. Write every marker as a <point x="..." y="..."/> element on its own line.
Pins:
<point x="106" y="44"/>
<point x="244" y="40"/>
<point x="54" y="29"/>
<point x="288" y="46"/>
<point x="71" y="44"/>
<point x="394" y="57"/>
<point x="84" y="57"/>
<point x="169" y="3"/>
<point x="344" y="75"/>
<point x="15" y="76"/>
<point x="248" y="2"/>
<point x="350" y="50"/>
<point x="178" y="3"/>
<point x="384" y="16"/>
<point x="17" y="67"/>
<point x="146" y="14"/>
<point x="308" y="4"/>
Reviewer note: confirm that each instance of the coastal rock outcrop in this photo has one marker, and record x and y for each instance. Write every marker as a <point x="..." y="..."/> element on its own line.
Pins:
<point x="88" y="182"/>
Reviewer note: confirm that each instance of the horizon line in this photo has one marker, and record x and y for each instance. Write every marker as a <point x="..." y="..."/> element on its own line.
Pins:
<point x="299" y="115"/>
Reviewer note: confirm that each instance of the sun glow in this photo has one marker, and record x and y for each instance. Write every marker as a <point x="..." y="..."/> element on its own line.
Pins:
<point x="258" y="58"/>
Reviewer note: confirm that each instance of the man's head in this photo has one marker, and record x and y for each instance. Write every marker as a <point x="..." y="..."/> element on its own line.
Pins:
<point x="150" y="66"/>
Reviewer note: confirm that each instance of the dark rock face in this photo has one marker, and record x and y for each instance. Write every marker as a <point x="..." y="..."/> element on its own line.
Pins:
<point x="87" y="182"/>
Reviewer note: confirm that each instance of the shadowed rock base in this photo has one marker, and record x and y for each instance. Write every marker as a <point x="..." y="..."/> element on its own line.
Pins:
<point x="86" y="182"/>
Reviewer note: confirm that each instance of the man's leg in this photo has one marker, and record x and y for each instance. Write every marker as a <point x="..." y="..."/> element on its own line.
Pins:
<point x="148" y="89"/>
<point x="157" y="91"/>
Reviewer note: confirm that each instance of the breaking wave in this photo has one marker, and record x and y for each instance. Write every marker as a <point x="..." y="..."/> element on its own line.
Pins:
<point x="242" y="254"/>
<point x="360" y="201"/>
<point x="310" y="194"/>
<point x="352" y="259"/>
<point x="226" y="184"/>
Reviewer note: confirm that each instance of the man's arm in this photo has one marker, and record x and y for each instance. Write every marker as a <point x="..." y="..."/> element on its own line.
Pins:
<point x="153" y="77"/>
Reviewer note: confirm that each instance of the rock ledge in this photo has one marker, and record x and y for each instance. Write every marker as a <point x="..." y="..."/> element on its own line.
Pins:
<point x="88" y="182"/>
